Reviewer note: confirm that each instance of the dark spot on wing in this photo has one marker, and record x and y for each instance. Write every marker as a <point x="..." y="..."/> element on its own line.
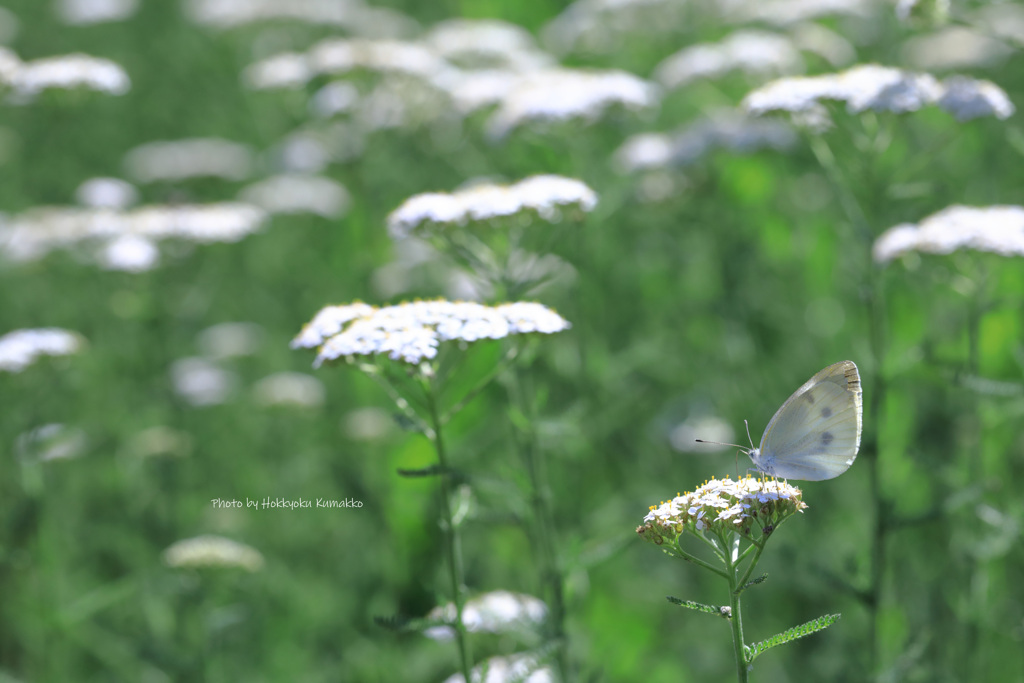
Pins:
<point x="826" y="412"/>
<point x="826" y="438"/>
<point x="807" y="397"/>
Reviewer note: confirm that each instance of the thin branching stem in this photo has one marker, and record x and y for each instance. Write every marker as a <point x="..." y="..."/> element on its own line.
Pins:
<point x="452" y="544"/>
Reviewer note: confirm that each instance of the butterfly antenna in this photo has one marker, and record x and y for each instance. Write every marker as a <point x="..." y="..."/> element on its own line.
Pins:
<point x="719" y="443"/>
<point x="748" y="434"/>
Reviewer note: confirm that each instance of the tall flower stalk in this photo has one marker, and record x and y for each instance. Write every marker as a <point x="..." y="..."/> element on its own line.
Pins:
<point x="500" y="235"/>
<point x="400" y="347"/>
<point x="733" y="520"/>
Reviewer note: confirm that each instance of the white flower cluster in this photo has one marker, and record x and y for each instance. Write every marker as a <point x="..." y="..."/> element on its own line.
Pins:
<point x="994" y="229"/>
<point x="336" y="56"/>
<point x="106" y="193"/>
<point x="518" y="668"/>
<point x="290" y="388"/>
<point x="755" y="53"/>
<point x="486" y="44"/>
<point x="722" y="505"/>
<point x="493" y="612"/>
<point x="411" y="332"/>
<point x="20" y="348"/>
<point x="296" y="193"/>
<point x="212" y="551"/>
<point x="353" y="15"/>
<point x="725" y="129"/>
<point x="176" y="160"/>
<point x="202" y="382"/>
<point x="63" y="72"/>
<point x="128" y="237"/>
<point x="955" y="47"/>
<point x="601" y="26"/>
<point x="789" y="12"/>
<point x="548" y="196"/>
<point x="556" y="95"/>
<point x="83" y="12"/>
<point x="880" y="88"/>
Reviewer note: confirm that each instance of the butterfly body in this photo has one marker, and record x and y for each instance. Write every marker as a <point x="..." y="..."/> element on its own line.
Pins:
<point x="815" y="435"/>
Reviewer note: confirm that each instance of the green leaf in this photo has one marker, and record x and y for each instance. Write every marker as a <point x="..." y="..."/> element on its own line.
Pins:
<point x="750" y="583"/>
<point x="700" y="607"/>
<point x="813" y="626"/>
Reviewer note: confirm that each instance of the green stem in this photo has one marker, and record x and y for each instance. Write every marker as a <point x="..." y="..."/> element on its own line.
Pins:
<point x="679" y="552"/>
<point x="543" y="521"/>
<point x="452" y="542"/>
<point x="736" y="616"/>
<point x="875" y="305"/>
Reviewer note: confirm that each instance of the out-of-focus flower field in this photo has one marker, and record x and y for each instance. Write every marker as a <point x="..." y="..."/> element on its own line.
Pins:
<point x="660" y="218"/>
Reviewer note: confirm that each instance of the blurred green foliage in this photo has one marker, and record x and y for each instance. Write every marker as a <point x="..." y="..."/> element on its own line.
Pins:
<point x="724" y="298"/>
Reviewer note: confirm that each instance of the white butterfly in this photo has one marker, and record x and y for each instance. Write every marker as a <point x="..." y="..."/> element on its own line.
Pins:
<point x="815" y="435"/>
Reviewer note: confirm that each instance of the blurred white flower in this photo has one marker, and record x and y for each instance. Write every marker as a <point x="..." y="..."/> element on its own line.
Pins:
<point x="20" y="348"/>
<point x="212" y="551"/>
<point x="924" y="11"/>
<point x="602" y="26"/>
<point x="51" y="442"/>
<point x="334" y="98"/>
<point x="486" y="44"/>
<point x="68" y="72"/>
<point x="293" y="193"/>
<point x="969" y="98"/>
<point x="878" y="88"/>
<point x="339" y="56"/>
<point x="727" y="129"/>
<point x="312" y="148"/>
<point x="555" y="95"/>
<point x="520" y="668"/>
<point x="8" y="25"/>
<point x="230" y="340"/>
<point x="353" y="15"/>
<point x="826" y="43"/>
<point x="129" y="253"/>
<point x="954" y="47"/>
<point x="494" y="612"/>
<point x="478" y="89"/>
<point x="994" y="229"/>
<point x="201" y="382"/>
<point x="190" y="158"/>
<point x="1002" y="20"/>
<point x="755" y="53"/>
<point x="285" y="70"/>
<point x="683" y="436"/>
<point x="548" y="196"/>
<point x="787" y="12"/>
<point x="106" y="193"/>
<point x="367" y="424"/>
<point x="10" y="66"/>
<point x="79" y="12"/>
<point x="159" y="440"/>
<point x="411" y="332"/>
<point x="290" y="388"/>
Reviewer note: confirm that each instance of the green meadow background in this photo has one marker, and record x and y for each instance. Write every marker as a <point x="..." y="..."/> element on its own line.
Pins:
<point x="719" y="300"/>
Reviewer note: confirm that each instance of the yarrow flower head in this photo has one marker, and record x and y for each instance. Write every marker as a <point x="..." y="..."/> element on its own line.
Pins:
<point x="213" y="551"/>
<point x="995" y="229"/>
<point x="723" y="506"/>
<point x="20" y="348"/>
<point x="494" y="612"/>
<point x="882" y="89"/>
<point x="549" y="197"/>
<point x="411" y="332"/>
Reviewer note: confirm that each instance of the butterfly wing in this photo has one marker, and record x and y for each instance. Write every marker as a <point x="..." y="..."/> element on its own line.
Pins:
<point x="815" y="435"/>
